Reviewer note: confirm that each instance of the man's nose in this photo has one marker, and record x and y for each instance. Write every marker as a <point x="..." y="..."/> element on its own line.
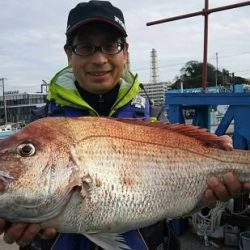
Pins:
<point x="99" y="58"/>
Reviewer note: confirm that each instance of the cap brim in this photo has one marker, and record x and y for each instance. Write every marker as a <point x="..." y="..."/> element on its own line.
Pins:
<point x="92" y="20"/>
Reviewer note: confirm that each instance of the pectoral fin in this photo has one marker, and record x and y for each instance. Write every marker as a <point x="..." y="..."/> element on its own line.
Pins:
<point x="108" y="241"/>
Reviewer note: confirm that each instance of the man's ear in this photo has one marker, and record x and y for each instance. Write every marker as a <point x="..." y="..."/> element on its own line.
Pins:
<point x="69" y="55"/>
<point x="125" y="51"/>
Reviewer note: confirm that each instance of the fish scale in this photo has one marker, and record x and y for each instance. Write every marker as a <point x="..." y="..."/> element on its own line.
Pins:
<point x="102" y="177"/>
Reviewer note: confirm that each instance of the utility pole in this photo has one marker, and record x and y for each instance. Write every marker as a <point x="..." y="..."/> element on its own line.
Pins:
<point x="44" y="84"/>
<point x="4" y="101"/>
<point x="216" y="75"/>
<point x="205" y="12"/>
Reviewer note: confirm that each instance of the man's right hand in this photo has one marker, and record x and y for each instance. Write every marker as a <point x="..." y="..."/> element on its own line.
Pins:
<point x="23" y="234"/>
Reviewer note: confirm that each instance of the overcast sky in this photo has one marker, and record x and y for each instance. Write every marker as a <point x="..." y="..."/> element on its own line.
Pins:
<point x="32" y="35"/>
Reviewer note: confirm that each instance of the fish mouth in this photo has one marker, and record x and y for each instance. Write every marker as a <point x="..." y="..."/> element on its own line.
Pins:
<point x="32" y="213"/>
<point x="5" y="178"/>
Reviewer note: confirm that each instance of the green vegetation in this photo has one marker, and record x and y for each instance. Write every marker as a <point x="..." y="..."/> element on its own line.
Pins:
<point x="191" y="76"/>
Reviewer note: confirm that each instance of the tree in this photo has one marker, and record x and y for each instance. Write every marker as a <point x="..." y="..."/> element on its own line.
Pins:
<point x="191" y="76"/>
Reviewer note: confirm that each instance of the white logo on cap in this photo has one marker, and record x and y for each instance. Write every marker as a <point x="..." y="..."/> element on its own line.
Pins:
<point x="118" y="20"/>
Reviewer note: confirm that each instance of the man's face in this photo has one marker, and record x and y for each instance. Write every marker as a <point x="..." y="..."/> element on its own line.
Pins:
<point x="97" y="73"/>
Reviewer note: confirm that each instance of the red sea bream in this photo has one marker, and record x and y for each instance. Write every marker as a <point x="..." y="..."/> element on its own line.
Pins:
<point x="101" y="177"/>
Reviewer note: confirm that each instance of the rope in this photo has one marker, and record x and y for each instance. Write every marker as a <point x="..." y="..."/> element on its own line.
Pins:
<point x="205" y="225"/>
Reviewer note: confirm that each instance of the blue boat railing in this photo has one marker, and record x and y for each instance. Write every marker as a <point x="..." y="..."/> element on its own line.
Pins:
<point x="202" y="103"/>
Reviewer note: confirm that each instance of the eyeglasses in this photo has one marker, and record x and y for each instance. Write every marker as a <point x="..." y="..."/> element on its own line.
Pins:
<point x="111" y="48"/>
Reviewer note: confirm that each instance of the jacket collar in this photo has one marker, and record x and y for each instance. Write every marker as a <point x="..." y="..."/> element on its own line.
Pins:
<point x="62" y="90"/>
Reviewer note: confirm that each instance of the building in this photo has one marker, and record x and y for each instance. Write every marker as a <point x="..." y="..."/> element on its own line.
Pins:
<point x="155" y="92"/>
<point x="17" y="106"/>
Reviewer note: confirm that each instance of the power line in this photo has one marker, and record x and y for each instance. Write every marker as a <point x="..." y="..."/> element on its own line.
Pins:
<point x="182" y="63"/>
<point x="234" y="55"/>
<point x="244" y="70"/>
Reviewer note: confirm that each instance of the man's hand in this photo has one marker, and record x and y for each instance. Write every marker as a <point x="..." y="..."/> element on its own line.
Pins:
<point x="22" y="234"/>
<point x="229" y="187"/>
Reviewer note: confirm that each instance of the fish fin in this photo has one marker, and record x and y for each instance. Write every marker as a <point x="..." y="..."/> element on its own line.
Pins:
<point x="108" y="241"/>
<point x="201" y="134"/>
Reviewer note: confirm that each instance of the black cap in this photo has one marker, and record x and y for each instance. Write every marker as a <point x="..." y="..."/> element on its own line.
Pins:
<point x="95" y="11"/>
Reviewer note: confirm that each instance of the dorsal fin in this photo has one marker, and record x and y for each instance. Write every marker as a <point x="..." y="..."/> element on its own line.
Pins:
<point x="196" y="132"/>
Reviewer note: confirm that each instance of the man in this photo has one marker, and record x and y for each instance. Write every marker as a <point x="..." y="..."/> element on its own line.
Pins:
<point x="97" y="83"/>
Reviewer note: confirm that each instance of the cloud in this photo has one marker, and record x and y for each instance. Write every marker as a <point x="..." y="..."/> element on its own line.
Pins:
<point x="33" y="35"/>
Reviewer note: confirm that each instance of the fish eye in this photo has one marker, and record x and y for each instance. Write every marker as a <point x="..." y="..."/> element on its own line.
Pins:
<point x="26" y="149"/>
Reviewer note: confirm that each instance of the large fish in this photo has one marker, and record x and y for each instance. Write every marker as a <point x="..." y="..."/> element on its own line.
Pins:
<point x="102" y="177"/>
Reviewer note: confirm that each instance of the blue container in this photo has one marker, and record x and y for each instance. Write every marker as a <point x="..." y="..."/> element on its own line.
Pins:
<point x="178" y="226"/>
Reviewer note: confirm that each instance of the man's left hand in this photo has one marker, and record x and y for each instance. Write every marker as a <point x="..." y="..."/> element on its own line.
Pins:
<point x="225" y="189"/>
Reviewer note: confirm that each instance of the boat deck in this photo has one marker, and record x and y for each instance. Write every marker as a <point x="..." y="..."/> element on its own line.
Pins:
<point x="190" y="241"/>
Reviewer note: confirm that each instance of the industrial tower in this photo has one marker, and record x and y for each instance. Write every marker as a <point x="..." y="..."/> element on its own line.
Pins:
<point x="154" y="71"/>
